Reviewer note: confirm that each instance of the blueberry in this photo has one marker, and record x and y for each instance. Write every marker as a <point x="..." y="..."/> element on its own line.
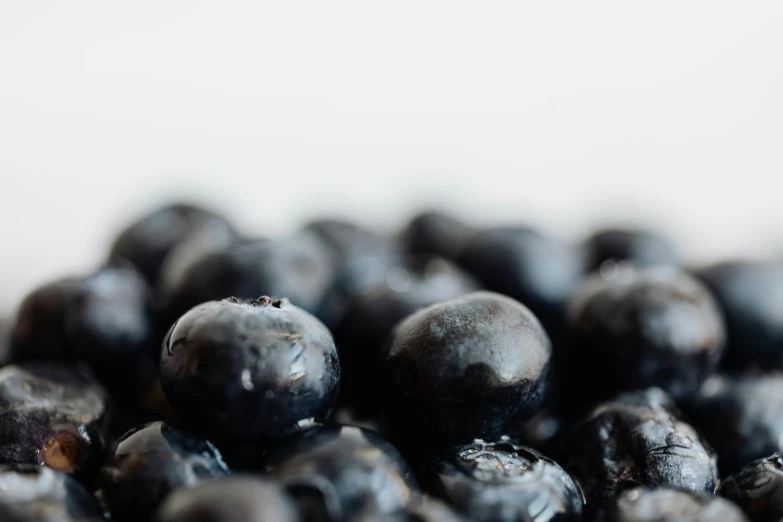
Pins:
<point x="503" y="481"/>
<point x="466" y="368"/>
<point x="758" y="489"/>
<point x="149" y="462"/>
<point x="148" y="241"/>
<point x="337" y="472"/>
<point x="229" y="499"/>
<point x="298" y="267"/>
<point x="361" y="258"/>
<point x="43" y="510"/>
<point x="435" y="233"/>
<point x="249" y="369"/>
<point x="541" y="272"/>
<point x="671" y="505"/>
<point x="741" y="416"/>
<point x="642" y="248"/>
<point x="27" y="484"/>
<point x="53" y="415"/>
<point x="370" y="317"/>
<point x="751" y="295"/>
<point x="103" y="319"/>
<point x="425" y="510"/>
<point x="654" y="327"/>
<point x="637" y="440"/>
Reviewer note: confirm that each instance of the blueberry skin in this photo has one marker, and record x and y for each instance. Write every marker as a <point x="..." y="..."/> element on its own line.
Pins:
<point x="466" y="368"/>
<point x="297" y="267"/>
<point x="103" y="319"/>
<point x="637" y="440"/>
<point x="54" y="415"/>
<point x="147" y="242"/>
<point x="42" y="510"/>
<point x="149" y="462"/>
<point x="758" y="489"/>
<point x="249" y="369"/>
<point x="641" y="248"/>
<point x="229" y="499"/>
<point x="741" y="417"/>
<point x="671" y="505"/>
<point x="751" y="296"/>
<point x="435" y="233"/>
<point x="540" y="272"/>
<point x="337" y="472"/>
<point x="654" y="327"/>
<point x="428" y="509"/>
<point x="504" y="481"/>
<point x="31" y="483"/>
<point x="371" y="316"/>
<point x="361" y="261"/>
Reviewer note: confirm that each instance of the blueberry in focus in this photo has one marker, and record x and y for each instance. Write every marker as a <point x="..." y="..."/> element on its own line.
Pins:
<point x="641" y="248"/>
<point x="671" y="505"/>
<point x="149" y="462"/>
<point x="337" y="472"/>
<point x="503" y="481"/>
<point x="639" y="439"/>
<point x="257" y="369"/>
<point x="53" y="415"/>
<point x="103" y="319"/>
<point x="539" y="271"/>
<point x="434" y="233"/>
<point x="147" y="242"/>
<point x="370" y="317"/>
<point x="32" y="483"/>
<point x="641" y="328"/>
<point x="466" y="368"/>
<point x="758" y="489"/>
<point x="298" y="267"/>
<point x="741" y="417"/>
<point x="751" y="295"/>
<point x="229" y="499"/>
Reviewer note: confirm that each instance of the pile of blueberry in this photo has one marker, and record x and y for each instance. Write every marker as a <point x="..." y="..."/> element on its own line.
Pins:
<point x="446" y="374"/>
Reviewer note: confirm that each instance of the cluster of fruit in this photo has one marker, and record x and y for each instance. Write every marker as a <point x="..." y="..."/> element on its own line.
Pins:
<point x="444" y="374"/>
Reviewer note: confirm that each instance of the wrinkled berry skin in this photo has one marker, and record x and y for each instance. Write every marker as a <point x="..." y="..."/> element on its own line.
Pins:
<point x="538" y="271"/>
<point x="465" y="368"/>
<point x="147" y="242"/>
<point x="656" y="327"/>
<point x="641" y="248"/>
<point x="30" y="483"/>
<point x="741" y="417"/>
<point x="361" y="261"/>
<point x="670" y="505"/>
<point x="371" y="316"/>
<point x="249" y="369"/>
<point x="750" y="294"/>
<point x="103" y="319"/>
<point x="505" y="482"/>
<point x="337" y="472"/>
<point x="229" y="499"/>
<point x="149" y="462"/>
<point x="53" y="415"/>
<point x="425" y="510"/>
<point x="297" y="267"/>
<point x="434" y="233"/>
<point x="758" y="489"/>
<point x="637" y="440"/>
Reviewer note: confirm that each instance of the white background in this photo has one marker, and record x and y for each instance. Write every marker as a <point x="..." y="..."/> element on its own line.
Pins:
<point x="562" y="114"/>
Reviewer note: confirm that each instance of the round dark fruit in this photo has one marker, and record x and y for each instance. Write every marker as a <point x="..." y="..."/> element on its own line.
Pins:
<point x="466" y="368"/>
<point x="671" y="505"/>
<point x="503" y="481"/>
<point x="758" y="489"/>
<point x="436" y="234"/>
<point x="149" y="462"/>
<point x="337" y="472"/>
<point x="641" y="248"/>
<point x="254" y="369"/>
<point x="31" y="483"/>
